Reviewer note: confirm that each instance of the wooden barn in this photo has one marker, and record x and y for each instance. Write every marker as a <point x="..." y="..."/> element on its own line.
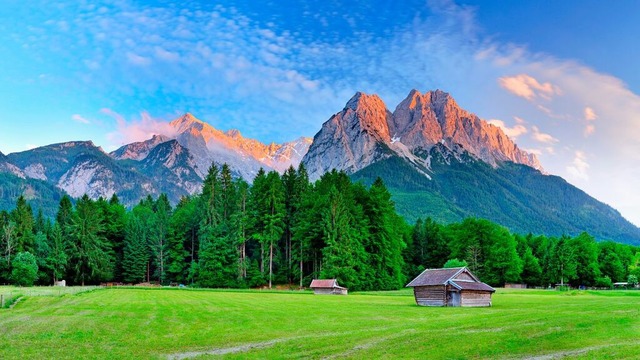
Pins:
<point x="327" y="287"/>
<point x="450" y="287"/>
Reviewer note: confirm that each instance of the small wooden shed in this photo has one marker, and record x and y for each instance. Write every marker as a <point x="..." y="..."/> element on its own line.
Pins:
<point x="327" y="287"/>
<point x="450" y="287"/>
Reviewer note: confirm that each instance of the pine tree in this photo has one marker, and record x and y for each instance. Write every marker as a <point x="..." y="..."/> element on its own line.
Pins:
<point x="58" y="255"/>
<point x="135" y="252"/>
<point x="22" y="216"/>
<point x="158" y="235"/>
<point x="89" y="260"/>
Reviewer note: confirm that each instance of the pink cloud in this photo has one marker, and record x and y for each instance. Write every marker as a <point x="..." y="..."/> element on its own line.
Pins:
<point x="542" y="137"/>
<point x="589" y="114"/>
<point x="528" y="87"/>
<point x="137" y="130"/>
<point x="512" y="132"/>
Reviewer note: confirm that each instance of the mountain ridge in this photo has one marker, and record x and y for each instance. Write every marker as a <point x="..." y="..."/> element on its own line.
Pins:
<point x="365" y="130"/>
<point x="437" y="159"/>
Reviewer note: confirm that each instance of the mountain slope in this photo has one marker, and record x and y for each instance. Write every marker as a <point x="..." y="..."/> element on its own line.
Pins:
<point x="245" y="156"/>
<point x="39" y="194"/>
<point x="365" y="132"/>
<point x="442" y="161"/>
<point x="79" y="167"/>
<point x="513" y="195"/>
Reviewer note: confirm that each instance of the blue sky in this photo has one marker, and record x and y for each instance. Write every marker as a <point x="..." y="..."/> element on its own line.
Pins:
<point x="561" y="77"/>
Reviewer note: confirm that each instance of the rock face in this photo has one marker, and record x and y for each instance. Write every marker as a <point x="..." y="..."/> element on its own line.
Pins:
<point x="366" y="132"/>
<point x="171" y="165"/>
<point x="244" y="156"/>
<point x="7" y="167"/>
<point x="175" y="163"/>
<point x="79" y="167"/>
<point x="138" y="150"/>
<point x="351" y="139"/>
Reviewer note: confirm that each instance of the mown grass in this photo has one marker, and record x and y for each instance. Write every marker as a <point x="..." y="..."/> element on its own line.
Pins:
<point x="142" y="323"/>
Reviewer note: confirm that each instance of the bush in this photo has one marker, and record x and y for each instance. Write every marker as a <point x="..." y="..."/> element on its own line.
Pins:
<point x="454" y="263"/>
<point x="24" y="269"/>
<point x="632" y="280"/>
<point x="604" y="282"/>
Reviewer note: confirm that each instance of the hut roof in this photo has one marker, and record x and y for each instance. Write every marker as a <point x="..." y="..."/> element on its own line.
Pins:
<point x="468" y="285"/>
<point x="431" y="277"/>
<point x="436" y="276"/>
<point x="326" y="283"/>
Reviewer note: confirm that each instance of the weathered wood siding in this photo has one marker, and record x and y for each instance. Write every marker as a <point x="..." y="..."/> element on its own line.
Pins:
<point x="475" y="298"/>
<point x="323" y="291"/>
<point x="430" y="295"/>
<point x="329" y="291"/>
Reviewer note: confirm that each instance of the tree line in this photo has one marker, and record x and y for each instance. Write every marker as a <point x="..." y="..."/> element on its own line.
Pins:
<point x="284" y="230"/>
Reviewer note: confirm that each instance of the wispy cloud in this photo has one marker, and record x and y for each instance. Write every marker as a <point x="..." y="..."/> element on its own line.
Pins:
<point x="539" y="136"/>
<point x="512" y="132"/>
<point x="528" y="87"/>
<point x="579" y="167"/>
<point x="136" y="130"/>
<point x="275" y="84"/>
<point x="80" y="119"/>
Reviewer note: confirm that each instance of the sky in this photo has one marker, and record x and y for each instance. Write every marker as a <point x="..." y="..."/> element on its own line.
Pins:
<point x="560" y="77"/>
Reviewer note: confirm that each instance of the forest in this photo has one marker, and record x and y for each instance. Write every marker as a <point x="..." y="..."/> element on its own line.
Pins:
<point x="283" y="230"/>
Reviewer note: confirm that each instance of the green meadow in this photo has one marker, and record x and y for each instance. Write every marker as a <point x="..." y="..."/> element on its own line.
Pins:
<point x="131" y="323"/>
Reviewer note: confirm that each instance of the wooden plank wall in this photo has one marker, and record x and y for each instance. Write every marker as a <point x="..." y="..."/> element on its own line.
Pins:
<point x="476" y="298"/>
<point x="430" y="295"/>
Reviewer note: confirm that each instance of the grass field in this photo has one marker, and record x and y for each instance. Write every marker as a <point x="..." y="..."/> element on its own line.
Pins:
<point x="177" y="324"/>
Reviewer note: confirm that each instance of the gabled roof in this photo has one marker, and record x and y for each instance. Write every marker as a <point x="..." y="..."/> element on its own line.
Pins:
<point x="469" y="285"/>
<point x="328" y="283"/>
<point x="431" y="277"/>
<point x="435" y="277"/>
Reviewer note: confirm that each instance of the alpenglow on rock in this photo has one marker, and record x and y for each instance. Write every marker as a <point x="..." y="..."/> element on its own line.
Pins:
<point x="365" y="132"/>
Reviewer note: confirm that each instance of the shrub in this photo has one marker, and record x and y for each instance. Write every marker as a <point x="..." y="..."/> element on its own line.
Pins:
<point x="24" y="269"/>
<point x="632" y="280"/>
<point x="604" y="282"/>
<point x="454" y="263"/>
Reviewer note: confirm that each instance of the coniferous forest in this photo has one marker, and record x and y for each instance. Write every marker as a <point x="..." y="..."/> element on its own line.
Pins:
<point x="285" y="230"/>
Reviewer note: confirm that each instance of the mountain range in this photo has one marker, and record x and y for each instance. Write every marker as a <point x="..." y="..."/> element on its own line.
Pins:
<point x="437" y="159"/>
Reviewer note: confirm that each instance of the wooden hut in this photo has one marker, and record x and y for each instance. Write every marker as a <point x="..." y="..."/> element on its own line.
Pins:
<point x="327" y="287"/>
<point x="450" y="287"/>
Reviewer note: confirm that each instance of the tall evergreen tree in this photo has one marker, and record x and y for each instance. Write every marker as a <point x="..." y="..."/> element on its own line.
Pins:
<point x="58" y="253"/>
<point x="22" y="216"/>
<point x="89" y="252"/>
<point x="135" y="255"/>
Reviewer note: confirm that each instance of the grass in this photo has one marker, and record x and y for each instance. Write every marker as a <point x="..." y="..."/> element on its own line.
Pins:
<point x="163" y="323"/>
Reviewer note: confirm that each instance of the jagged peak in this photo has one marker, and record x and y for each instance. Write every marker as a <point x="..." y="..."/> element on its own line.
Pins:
<point x="159" y="138"/>
<point x="187" y="120"/>
<point x="360" y="99"/>
<point x="234" y="133"/>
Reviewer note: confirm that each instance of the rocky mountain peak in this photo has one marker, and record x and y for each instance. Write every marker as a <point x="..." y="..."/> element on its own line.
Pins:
<point x="138" y="150"/>
<point x="234" y="133"/>
<point x="365" y="131"/>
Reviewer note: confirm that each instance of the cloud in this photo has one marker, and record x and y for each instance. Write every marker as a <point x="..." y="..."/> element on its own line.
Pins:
<point x="589" y="114"/>
<point x="80" y="119"/>
<point x="589" y="130"/>
<point x="138" y="130"/>
<point x="528" y="87"/>
<point x="579" y="167"/>
<point x="512" y="132"/>
<point x="275" y="82"/>
<point x="138" y="60"/>
<point x="542" y="137"/>
<point x="120" y="121"/>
